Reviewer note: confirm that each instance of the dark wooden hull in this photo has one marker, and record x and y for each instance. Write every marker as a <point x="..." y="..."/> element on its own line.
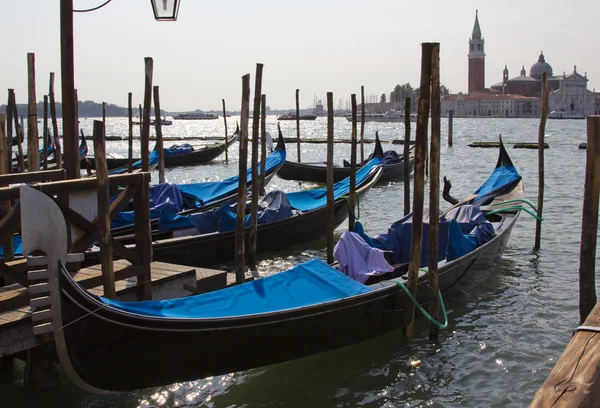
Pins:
<point x="317" y="172"/>
<point x="195" y="157"/>
<point x="109" y="349"/>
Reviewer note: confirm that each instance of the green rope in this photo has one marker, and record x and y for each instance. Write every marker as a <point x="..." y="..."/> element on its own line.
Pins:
<point x="516" y="201"/>
<point x="418" y="306"/>
<point x="517" y="209"/>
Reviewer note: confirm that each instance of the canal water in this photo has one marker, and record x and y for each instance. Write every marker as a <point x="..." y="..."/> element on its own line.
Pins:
<point x="503" y="338"/>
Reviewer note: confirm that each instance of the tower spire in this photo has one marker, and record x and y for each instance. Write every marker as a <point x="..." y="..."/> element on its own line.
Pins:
<point x="476" y="35"/>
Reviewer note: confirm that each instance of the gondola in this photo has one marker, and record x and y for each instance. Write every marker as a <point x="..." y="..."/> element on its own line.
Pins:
<point x="104" y="345"/>
<point x="317" y="171"/>
<point x="302" y="218"/>
<point x="192" y="198"/>
<point x="184" y="155"/>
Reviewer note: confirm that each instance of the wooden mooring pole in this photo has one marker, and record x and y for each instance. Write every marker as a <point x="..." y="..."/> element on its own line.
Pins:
<point x="298" y="123"/>
<point x="541" y="132"/>
<point x="5" y="168"/>
<point x="145" y="139"/>
<point x="130" y="128"/>
<point x="352" y="193"/>
<point x="106" y="255"/>
<point x="52" y="98"/>
<point x="589" y="225"/>
<point x="574" y="380"/>
<point x="225" y="123"/>
<point x="19" y="131"/>
<point x="450" y="126"/>
<point x="330" y="201"/>
<point x="76" y="116"/>
<point x="255" y="193"/>
<point x="406" y="155"/>
<point x="45" y="134"/>
<point x="263" y="144"/>
<point x="362" y="124"/>
<point x="159" y="139"/>
<point x="33" y="143"/>
<point x="104" y="117"/>
<point x="419" y="188"/>
<point x="434" y="193"/>
<point x="9" y="130"/>
<point x="240" y="224"/>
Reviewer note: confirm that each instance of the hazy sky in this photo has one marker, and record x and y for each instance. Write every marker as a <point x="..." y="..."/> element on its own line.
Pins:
<point x="316" y="46"/>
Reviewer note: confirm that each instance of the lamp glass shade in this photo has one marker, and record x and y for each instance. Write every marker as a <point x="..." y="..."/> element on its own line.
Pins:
<point x="165" y="10"/>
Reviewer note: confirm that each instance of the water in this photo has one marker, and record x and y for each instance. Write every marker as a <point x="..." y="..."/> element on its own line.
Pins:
<point x="503" y="338"/>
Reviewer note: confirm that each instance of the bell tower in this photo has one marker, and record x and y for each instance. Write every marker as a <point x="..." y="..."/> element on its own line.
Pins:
<point x="476" y="59"/>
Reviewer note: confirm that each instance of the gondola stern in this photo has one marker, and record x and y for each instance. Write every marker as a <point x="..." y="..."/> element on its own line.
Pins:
<point x="378" y="152"/>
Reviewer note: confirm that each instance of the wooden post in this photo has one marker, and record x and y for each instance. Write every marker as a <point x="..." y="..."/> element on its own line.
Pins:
<point x="76" y="116"/>
<point x="106" y="255"/>
<point x="362" y="124"/>
<point x="298" y="122"/>
<point x="407" y="155"/>
<point x="104" y="118"/>
<point x="130" y="139"/>
<point x="70" y="133"/>
<point x="541" y="131"/>
<point x="263" y="144"/>
<point x="143" y="237"/>
<point x="33" y="143"/>
<point x="225" y="123"/>
<point x="240" y="230"/>
<point x="140" y="110"/>
<point x="57" y="149"/>
<point x="589" y="224"/>
<point x="255" y="193"/>
<point x="434" y="192"/>
<point x="330" y="201"/>
<point x="9" y="129"/>
<point x="352" y="193"/>
<point x="159" y="138"/>
<point x="419" y="189"/>
<point x="147" y="107"/>
<point x="21" y="137"/>
<point x="5" y="167"/>
<point x="450" y="126"/>
<point x="45" y="134"/>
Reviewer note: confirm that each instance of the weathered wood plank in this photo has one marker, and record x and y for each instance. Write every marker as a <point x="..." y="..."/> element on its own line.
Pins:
<point x="575" y="378"/>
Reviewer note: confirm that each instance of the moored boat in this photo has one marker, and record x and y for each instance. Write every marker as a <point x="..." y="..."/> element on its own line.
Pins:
<point x="292" y="116"/>
<point x="195" y="116"/>
<point x="309" y="309"/>
<point x="560" y="114"/>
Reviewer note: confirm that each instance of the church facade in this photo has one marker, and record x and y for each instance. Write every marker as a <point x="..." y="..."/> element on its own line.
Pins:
<point x="518" y="97"/>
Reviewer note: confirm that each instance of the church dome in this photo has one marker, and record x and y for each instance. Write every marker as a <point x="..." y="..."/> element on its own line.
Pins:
<point x="538" y="69"/>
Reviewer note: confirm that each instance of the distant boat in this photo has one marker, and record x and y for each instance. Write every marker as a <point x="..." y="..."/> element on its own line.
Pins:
<point x="558" y="114"/>
<point x="292" y="116"/>
<point x="195" y="116"/>
<point x="389" y="116"/>
<point x="164" y="122"/>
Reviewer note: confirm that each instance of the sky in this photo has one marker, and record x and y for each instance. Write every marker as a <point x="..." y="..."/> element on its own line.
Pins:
<point x="315" y="46"/>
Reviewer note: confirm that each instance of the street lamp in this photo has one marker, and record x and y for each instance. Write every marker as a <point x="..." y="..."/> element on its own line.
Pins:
<point x="165" y="10"/>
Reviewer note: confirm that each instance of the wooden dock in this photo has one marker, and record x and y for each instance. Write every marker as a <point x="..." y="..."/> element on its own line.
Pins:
<point x="515" y="146"/>
<point x="168" y="281"/>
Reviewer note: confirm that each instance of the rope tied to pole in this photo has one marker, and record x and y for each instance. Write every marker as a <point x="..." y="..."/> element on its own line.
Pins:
<point x="423" y="311"/>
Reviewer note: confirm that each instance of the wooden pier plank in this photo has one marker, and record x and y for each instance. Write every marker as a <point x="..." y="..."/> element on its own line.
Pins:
<point x="574" y="380"/>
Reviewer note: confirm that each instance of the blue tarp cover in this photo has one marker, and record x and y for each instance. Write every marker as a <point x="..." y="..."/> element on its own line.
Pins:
<point x="161" y="195"/>
<point x="199" y="195"/>
<point x="462" y="230"/>
<point x="17" y="246"/>
<point x="193" y="195"/>
<point x="184" y="148"/>
<point x="502" y="180"/>
<point x="389" y="157"/>
<point x="310" y="283"/>
<point x="311" y="199"/>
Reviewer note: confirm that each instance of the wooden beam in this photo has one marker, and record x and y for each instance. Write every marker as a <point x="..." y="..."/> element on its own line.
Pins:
<point x="254" y="165"/>
<point x="240" y="225"/>
<point x="143" y="237"/>
<point x="330" y="200"/>
<point x="159" y="138"/>
<point x="33" y="144"/>
<point x="57" y="150"/>
<point x="148" y="67"/>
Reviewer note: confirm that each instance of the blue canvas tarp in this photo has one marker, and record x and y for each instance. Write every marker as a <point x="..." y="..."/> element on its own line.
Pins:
<point x="184" y="148"/>
<point x="389" y="157"/>
<point x="311" y="199"/>
<point x="152" y="162"/>
<point x="17" y="246"/>
<point x="310" y="283"/>
<point x="462" y="230"/>
<point x="502" y="180"/>
<point x="161" y="195"/>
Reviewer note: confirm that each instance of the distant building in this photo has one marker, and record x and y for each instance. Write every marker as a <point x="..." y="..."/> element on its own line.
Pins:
<point x="518" y="96"/>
